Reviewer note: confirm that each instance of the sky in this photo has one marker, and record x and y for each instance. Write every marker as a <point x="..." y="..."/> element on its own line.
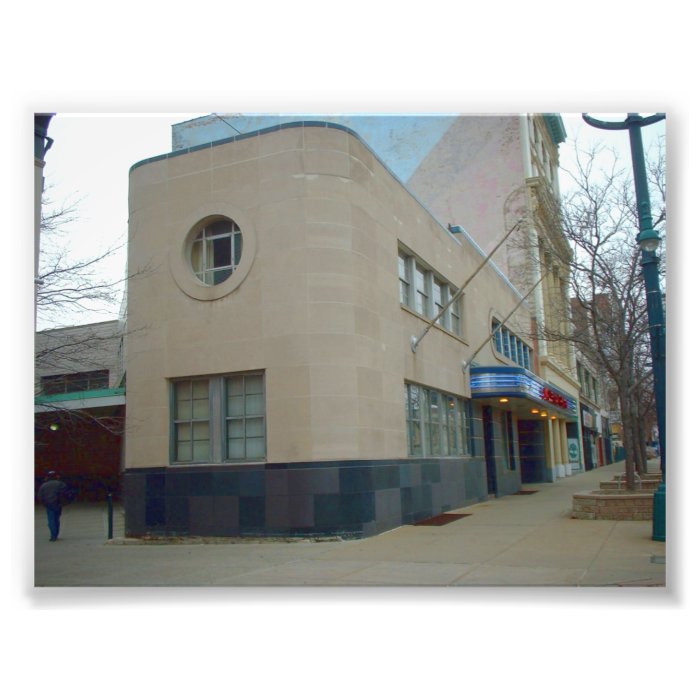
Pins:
<point x="88" y="164"/>
<point x="89" y="161"/>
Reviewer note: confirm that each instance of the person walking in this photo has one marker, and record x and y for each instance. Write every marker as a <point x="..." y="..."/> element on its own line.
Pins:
<point x="53" y="495"/>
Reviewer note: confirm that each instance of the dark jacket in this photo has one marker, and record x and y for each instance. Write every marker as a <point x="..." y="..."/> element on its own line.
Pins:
<point x="53" y="494"/>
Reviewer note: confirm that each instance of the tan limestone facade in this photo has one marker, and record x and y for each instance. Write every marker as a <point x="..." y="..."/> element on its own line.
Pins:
<point x="274" y="398"/>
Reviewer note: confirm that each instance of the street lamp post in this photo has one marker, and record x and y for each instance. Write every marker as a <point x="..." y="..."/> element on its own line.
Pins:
<point x="648" y="240"/>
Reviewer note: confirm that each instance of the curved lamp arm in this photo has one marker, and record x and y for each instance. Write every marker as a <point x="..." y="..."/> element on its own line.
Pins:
<point x="618" y="126"/>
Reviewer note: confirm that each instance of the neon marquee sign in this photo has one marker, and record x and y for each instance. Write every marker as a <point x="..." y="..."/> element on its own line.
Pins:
<point x="554" y="398"/>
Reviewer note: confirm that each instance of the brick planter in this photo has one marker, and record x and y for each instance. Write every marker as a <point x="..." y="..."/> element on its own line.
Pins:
<point x="610" y="505"/>
<point x="653" y="476"/>
<point x="620" y="485"/>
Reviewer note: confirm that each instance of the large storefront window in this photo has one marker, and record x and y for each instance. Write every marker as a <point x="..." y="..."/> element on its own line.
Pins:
<point x="437" y="424"/>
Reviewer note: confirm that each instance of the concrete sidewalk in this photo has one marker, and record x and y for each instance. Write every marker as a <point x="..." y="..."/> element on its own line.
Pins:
<point x="520" y="540"/>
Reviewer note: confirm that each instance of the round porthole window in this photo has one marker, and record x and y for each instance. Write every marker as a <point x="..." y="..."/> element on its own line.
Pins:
<point x="214" y="252"/>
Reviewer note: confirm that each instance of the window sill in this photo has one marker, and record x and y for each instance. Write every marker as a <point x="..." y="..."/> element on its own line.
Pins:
<point x="209" y="465"/>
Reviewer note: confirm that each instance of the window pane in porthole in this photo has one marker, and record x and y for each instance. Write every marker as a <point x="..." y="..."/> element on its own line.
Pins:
<point x="255" y="448"/>
<point x="219" y="276"/>
<point x="216" y="251"/>
<point x="221" y="254"/>
<point x="219" y="227"/>
<point x="237" y="249"/>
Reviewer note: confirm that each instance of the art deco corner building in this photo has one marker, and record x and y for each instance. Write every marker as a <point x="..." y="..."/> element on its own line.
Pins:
<point x="277" y="280"/>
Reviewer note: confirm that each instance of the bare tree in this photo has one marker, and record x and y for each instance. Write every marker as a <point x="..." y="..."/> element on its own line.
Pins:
<point x="68" y="286"/>
<point x="608" y="312"/>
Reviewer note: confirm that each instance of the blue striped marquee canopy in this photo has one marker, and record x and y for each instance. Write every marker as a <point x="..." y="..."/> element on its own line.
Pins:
<point x="517" y="382"/>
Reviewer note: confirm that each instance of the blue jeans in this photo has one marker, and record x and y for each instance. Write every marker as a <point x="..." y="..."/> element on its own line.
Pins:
<point x="53" y="515"/>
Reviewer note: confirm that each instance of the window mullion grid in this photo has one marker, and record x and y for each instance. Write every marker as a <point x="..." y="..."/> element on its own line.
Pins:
<point x="230" y="420"/>
<point x="434" y="301"/>
<point x="455" y="315"/>
<point x="422" y="298"/>
<point x="466" y="426"/>
<point x="444" y="298"/>
<point x="404" y="280"/>
<point x="444" y="430"/>
<point x="412" y="289"/>
<point x="216" y="406"/>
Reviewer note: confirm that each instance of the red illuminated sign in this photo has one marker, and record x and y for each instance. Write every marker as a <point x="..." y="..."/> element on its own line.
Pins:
<point x="554" y="398"/>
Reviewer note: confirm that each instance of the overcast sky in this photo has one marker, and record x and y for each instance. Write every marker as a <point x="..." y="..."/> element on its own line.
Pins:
<point x="90" y="159"/>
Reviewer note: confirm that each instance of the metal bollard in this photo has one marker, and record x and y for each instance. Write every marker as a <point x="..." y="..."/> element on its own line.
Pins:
<point x="110" y="516"/>
<point x="658" y="532"/>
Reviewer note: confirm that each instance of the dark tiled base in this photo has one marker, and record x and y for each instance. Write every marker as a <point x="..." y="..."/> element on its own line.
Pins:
<point x="356" y="499"/>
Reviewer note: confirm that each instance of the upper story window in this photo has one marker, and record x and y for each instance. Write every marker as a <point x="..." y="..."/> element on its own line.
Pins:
<point x="589" y="384"/>
<point x="77" y="381"/>
<point x="404" y="280"/>
<point x="428" y="294"/>
<point x="421" y="288"/>
<point x="510" y="345"/>
<point x="216" y="251"/>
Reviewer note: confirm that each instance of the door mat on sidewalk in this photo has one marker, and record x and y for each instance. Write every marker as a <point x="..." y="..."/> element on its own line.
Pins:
<point x="443" y="519"/>
<point x="524" y="493"/>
